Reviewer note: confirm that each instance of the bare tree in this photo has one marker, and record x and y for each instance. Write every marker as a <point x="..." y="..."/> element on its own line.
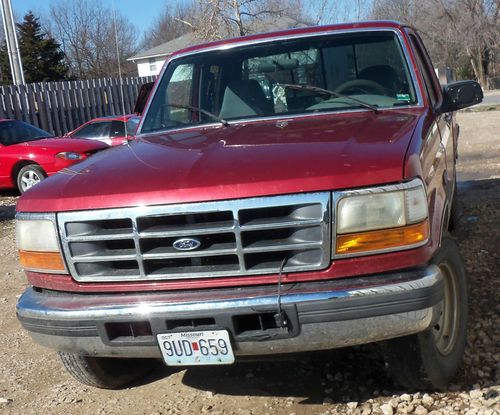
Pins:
<point x="217" y="19"/>
<point x="458" y="33"/>
<point x="170" y="24"/>
<point x="328" y="11"/>
<point x="86" y="30"/>
<point x="475" y="26"/>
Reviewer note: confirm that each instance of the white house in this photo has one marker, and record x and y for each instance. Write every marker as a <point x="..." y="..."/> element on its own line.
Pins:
<point x="151" y="61"/>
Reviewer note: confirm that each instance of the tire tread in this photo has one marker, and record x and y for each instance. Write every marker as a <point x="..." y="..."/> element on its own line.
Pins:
<point x="104" y="372"/>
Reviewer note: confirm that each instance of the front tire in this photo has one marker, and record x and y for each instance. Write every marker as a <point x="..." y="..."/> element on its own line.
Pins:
<point x="29" y="176"/>
<point x="104" y="372"/>
<point x="430" y="359"/>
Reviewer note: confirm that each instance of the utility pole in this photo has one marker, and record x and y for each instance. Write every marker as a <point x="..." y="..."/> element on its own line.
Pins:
<point x="16" y="67"/>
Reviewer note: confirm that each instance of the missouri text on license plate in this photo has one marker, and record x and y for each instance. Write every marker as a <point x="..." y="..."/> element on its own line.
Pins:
<point x="207" y="347"/>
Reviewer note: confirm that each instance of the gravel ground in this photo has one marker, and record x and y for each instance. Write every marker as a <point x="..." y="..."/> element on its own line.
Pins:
<point x="346" y="381"/>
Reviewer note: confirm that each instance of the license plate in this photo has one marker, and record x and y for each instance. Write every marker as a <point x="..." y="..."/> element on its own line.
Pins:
<point x="207" y="347"/>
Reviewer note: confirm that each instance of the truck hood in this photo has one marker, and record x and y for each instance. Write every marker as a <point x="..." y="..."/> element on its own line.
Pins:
<point x="255" y="158"/>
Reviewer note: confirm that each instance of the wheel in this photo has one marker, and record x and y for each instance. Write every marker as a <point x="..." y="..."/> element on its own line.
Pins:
<point x="428" y="360"/>
<point x="363" y="85"/>
<point x="104" y="372"/>
<point x="28" y="176"/>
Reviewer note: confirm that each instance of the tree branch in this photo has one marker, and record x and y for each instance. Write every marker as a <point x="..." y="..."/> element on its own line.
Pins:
<point x="177" y="19"/>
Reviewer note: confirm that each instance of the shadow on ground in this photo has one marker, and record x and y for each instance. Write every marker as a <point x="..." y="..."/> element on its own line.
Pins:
<point x="7" y="212"/>
<point x="343" y="375"/>
<point x="8" y="199"/>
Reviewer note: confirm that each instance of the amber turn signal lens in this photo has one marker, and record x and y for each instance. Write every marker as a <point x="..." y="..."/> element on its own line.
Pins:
<point x="42" y="261"/>
<point x="353" y="243"/>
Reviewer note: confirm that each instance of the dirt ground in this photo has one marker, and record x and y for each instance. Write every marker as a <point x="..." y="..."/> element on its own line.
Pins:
<point x="343" y="381"/>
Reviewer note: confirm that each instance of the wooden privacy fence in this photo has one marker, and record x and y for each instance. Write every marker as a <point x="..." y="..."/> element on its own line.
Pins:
<point x="60" y="107"/>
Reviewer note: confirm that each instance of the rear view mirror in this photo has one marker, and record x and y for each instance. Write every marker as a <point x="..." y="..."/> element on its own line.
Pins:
<point x="461" y="94"/>
<point x="142" y="97"/>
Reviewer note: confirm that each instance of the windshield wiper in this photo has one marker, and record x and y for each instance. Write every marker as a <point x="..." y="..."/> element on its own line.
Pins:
<point x="201" y="111"/>
<point x="303" y="87"/>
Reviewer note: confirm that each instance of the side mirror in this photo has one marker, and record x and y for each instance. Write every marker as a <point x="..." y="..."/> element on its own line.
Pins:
<point x="460" y="94"/>
<point x="142" y="97"/>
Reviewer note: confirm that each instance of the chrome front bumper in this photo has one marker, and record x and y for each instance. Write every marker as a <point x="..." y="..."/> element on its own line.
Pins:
<point x="320" y="315"/>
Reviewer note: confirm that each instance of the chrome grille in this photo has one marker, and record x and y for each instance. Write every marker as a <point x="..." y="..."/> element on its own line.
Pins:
<point x="238" y="237"/>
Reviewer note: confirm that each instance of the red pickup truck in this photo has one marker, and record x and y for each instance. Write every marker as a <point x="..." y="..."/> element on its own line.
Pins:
<point x="287" y="192"/>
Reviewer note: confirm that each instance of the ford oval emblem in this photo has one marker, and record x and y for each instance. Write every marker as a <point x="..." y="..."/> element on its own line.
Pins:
<point x="186" y="244"/>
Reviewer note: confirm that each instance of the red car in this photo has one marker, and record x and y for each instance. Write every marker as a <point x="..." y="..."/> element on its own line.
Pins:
<point x="113" y="130"/>
<point x="28" y="154"/>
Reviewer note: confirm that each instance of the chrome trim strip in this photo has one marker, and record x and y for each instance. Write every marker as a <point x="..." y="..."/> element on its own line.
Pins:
<point x="398" y="33"/>
<point x="95" y="238"/>
<point x="35" y="216"/>
<point x="412" y="184"/>
<point x="285" y="247"/>
<point x="191" y="254"/>
<point x="137" y="245"/>
<point x="278" y="225"/>
<point x="103" y="258"/>
<point x="183" y="232"/>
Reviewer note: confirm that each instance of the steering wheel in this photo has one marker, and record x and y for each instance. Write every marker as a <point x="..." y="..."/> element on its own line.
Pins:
<point x="363" y="85"/>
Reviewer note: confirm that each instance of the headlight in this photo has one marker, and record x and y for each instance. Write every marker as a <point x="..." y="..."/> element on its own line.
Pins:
<point x="69" y="155"/>
<point x="38" y="245"/>
<point x="381" y="219"/>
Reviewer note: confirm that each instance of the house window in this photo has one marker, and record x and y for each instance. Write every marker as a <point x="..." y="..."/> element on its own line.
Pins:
<point x="152" y="64"/>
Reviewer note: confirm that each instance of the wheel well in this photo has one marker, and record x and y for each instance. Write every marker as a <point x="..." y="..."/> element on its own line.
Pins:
<point x="18" y="166"/>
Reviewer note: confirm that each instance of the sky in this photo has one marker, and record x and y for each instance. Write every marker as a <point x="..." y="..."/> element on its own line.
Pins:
<point x="141" y="13"/>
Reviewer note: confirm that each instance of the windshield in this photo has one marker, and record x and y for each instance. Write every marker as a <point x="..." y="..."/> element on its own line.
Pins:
<point x="15" y="132"/>
<point x="363" y="70"/>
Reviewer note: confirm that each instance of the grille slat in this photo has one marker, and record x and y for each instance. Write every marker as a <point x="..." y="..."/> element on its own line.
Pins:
<point x="186" y="232"/>
<point x="214" y="252"/>
<point x="101" y="237"/>
<point x="97" y="258"/>
<point x="282" y="247"/>
<point x="236" y="238"/>
<point x="258" y="225"/>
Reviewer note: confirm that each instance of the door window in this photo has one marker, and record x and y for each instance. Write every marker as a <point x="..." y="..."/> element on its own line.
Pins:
<point x="96" y="131"/>
<point x="426" y="69"/>
<point x="117" y="129"/>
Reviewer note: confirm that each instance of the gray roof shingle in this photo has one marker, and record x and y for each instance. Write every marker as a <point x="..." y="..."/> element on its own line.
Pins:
<point x="168" y="48"/>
